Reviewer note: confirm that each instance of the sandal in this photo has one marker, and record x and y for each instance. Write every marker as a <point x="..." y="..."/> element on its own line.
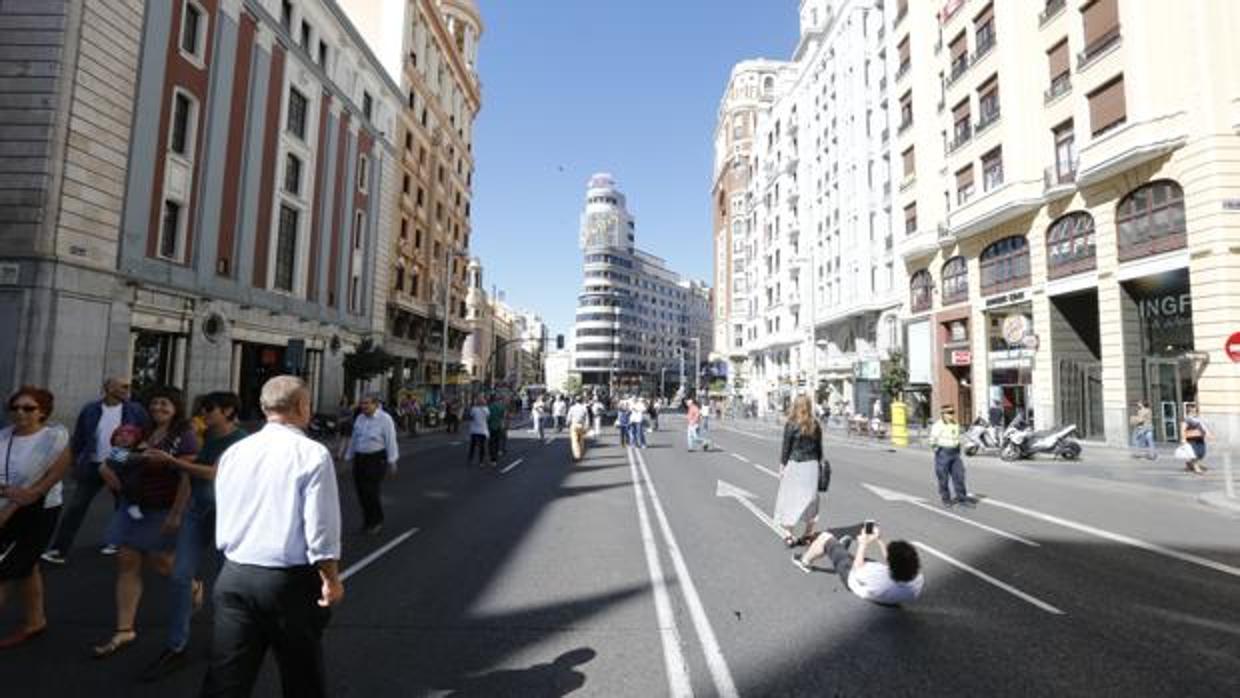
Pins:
<point x="21" y="636"/>
<point x="121" y="639"/>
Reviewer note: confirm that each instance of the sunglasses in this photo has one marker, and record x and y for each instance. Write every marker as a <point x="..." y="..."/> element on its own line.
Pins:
<point x="23" y="408"/>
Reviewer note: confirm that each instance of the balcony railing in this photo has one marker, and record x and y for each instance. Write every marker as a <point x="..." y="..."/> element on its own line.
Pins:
<point x="903" y="70"/>
<point x="964" y="134"/>
<point x="1061" y="174"/>
<point x="899" y="18"/>
<point x="1060" y="86"/>
<point x="985" y="44"/>
<point x="959" y="66"/>
<point x="904" y="126"/>
<point x="987" y="120"/>
<point x="882" y="83"/>
<point x="1053" y="8"/>
<point x="1096" y="49"/>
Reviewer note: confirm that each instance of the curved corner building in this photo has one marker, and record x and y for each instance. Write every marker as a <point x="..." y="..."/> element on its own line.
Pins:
<point x="633" y="314"/>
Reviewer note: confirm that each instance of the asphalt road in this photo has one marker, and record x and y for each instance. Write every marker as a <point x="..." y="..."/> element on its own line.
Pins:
<point x="645" y="573"/>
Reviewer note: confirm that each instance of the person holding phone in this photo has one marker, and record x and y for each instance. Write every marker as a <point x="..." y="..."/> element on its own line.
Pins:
<point x="895" y="580"/>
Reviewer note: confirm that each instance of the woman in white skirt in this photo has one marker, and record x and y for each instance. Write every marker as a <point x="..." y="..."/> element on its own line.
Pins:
<point x="797" y="501"/>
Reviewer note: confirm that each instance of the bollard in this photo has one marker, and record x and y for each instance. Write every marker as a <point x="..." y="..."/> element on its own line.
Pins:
<point x="1229" y="484"/>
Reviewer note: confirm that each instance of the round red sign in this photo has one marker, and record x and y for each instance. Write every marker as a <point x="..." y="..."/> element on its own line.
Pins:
<point x="1233" y="347"/>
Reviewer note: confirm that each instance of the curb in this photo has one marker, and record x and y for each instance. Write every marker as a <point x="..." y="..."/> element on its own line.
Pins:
<point x="1220" y="500"/>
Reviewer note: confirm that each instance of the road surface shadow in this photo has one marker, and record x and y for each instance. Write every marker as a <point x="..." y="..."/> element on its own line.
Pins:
<point x="558" y="678"/>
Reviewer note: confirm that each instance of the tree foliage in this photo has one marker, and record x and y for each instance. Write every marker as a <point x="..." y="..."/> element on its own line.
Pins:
<point x="895" y="374"/>
<point x="367" y="361"/>
<point x="572" y="384"/>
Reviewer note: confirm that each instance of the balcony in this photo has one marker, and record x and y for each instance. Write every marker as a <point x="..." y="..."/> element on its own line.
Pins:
<point x="959" y="67"/>
<point x="1002" y="203"/>
<point x="1058" y="180"/>
<point x="904" y="126"/>
<point x="1060" y="86"/>
<point x="964" y="134"/>
<point x="1130" y="145"/>
<point x="882" y="83"/>
<point x="1052" y="10"/>
<point x="917" y="245"/>
<point x="903" y="70"/>
<point x="905" y="185"/>
<point x="1104" y="45"/>
<point x="985" y="44"/>
<point x="988" y="119"/>
<point x="886" y="134"/>
<point x="943" y="235"/>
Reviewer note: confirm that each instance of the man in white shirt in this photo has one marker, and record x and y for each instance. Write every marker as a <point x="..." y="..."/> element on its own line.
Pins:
<point x="278" y="525"/>
<point x="893" y="582"/>
<point x="373" y="453"/>
<point x="537" y="415"/>
<point x="478" y="431"/>
<point x="596" y="413"/>
<point x="578" y="423"/>
<point x="637" y="423"/>
<point x="558" y="409"/>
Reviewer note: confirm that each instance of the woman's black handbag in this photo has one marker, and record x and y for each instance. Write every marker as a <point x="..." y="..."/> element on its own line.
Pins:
<point x="824" y="475"/>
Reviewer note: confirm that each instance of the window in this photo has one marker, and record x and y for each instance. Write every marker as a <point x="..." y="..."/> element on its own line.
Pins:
<point x="959" y="48"/>
<point x="363" y="173"/>
<point x="906" y="110"/>
<point x="1107" y="109"/>
<point x="1070" y="246"/>
<point x="296" y="120"/>
<point x="359" y="229"/>
<point x="355" y="294"/>
<point x="964" y="184"/>
<point x="286" y="249"/>
<point x="992" y="169"/>
<point x="962" y="126"/>
<point x="323" y="53"/>
<point x="905" y="60"/>
<point x="919" y="291"/>
<point x="192" y="29"/>
<point x="1005" y="265"/>
<point x="910" y="164"/>
<point x="170" y="231"/>
<point x="955" y="276"/>
<point x="1065" y="152"/>
<point x="1057" y="61"/>
<point x="367" y="105"/>
<point x="984" y="31"/>
<point x="305" y="35"/>
<point x="1150" y="220"/>
<point x="286" y="15"/>
<point x="910" y="219"/>
<point x="400" y="278"/>
<point x="988" y="102"/>
<point x="182" y="124"/>
<point x="292" y="174"/>
<point x="1101" y="20"/>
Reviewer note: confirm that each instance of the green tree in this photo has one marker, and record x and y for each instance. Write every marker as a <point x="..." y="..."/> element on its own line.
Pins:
<point x="572" y="384"/>
<point x="895" y="374"/>
<point x="367" y="361"/>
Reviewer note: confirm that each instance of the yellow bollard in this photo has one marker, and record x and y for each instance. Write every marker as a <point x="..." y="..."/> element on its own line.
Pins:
<point x="899" y="424"/>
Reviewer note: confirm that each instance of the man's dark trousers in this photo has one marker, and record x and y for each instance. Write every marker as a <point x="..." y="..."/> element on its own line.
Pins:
<point x="87" y="484"/>
<point x="477" y="442"/>
<point x="260" y="608"/>
<point x="369" y="469"/>
<point x="949" y="466"/>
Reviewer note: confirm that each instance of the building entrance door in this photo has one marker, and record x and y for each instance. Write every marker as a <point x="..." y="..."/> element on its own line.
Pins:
<point x="1169" y="383"/>
<point x="1080" y="397"/>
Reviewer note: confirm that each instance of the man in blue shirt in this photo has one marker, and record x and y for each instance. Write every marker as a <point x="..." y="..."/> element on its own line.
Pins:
<point x="373" y="453"/>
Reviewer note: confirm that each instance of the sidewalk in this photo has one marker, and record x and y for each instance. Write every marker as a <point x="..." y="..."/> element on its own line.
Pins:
<point x="1098" y="461"/>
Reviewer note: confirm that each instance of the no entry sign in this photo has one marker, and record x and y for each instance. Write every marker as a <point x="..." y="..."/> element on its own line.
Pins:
<point x="1233" y="347"/>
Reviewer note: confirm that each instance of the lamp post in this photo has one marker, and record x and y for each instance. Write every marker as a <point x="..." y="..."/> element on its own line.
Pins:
<point x="697" y="371"/>
<point x="448" y="255"/>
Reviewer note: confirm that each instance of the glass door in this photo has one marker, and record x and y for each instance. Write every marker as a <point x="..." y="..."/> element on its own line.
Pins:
<point x="1164" y="388"/>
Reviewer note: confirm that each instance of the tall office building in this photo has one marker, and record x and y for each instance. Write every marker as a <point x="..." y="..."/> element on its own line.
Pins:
<point x="634" y="315"/>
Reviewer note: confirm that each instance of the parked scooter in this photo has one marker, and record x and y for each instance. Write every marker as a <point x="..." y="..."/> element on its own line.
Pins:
<point x="981" y="435"/>
<point x="1021" y="441"/>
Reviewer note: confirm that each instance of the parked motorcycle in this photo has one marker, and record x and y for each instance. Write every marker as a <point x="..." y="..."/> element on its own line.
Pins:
<point x="1021" y="441"/>
<point x="981" y="435"/>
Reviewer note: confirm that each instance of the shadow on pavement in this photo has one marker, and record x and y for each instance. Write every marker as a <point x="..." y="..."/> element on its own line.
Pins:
<point x="559" y="678"/>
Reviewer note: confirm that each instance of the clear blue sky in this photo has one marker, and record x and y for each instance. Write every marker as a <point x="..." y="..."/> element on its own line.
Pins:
<point x="574" y="87"/>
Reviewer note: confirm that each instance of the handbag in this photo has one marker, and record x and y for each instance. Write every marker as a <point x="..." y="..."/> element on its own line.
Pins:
<point x="1185" y="452"/>
<point x="824" y="475"/>
<point x="1193" y="433"/>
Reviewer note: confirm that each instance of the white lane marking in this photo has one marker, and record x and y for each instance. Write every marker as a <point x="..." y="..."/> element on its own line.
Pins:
<point x="894" y="496"/>
<point x="720" y="674"/>
<point x="740" y="458"/>
<point x="748" y="433"/>
<point x="511" y="465"/>
<point x="1119" y="538"/>
<point x="364" y="562"/>
<point x="989" y="579"/>
<point x="455" y="443"/>
<point x="745" y="497"/>
<point x="678" y="681"/>
<point x="763" y="469"/>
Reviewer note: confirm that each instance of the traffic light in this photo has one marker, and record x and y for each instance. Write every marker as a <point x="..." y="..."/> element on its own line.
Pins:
<point x="559" y="342"/>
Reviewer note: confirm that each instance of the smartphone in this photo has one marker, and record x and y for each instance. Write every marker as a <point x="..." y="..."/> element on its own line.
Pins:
<point x="869" y="528"/>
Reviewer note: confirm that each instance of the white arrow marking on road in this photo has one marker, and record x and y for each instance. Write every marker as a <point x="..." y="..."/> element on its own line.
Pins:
<point x="720" y="674"/>
<point x="511" y="465"/>
<point x="989" y="579"/>
<point x="679" y="684"/>
<point x="364" y="562"/>
<point x="745" y="497"/>
<point x="893" y="496"/>
<point x="1119" y="538"/>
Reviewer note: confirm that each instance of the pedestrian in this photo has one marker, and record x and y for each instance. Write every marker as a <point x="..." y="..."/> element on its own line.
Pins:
<point x="90" y="444"/>
<point x="373" y="452"/>
<point x="622" y="422"/>
<point x="948" y="465"/>
<point x="578" y="423"/>
<point x="497" y="427"/>
<point x="1143" y="431"/>
<point x="163" y="499"/>
<point x="1193" y="432"/>
<point x="800" y="459"/>
<point x="596" y="415"/>
<point x="36" y="457"/>
<point x="693" y="416"/>
<point x="653" y="414"/>
<point x="559" y="410"/>
<point x="220" y="412"/>
<point x="478" y="432"/>
<point x="637" y="422"/>
<point x="896" y="580"/>
<point x="278" y="525"/>
<point x="876" y="418"/>
<point x="538" y="413"/>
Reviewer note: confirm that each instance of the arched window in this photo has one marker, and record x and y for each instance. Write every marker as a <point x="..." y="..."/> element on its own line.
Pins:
<point x="1070" y="245"/>
<point x="768" y="85"/>
<point x="919" y="289"/>
<point x="955" y="280"/>
<point x="1005" y="265"/>
<point x="1150" y="219"/>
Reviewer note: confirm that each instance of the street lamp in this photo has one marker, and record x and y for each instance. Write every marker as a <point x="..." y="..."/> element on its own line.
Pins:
<point x="448" y="255"/>
<point x="697" y="371"/>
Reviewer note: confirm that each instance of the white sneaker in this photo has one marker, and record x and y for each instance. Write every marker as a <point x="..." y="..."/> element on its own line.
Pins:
<point x="53" y="556"/>
<point x="108" y="550"/>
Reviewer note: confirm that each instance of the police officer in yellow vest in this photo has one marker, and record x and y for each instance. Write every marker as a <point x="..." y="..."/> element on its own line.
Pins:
<point x="945" y="440"/>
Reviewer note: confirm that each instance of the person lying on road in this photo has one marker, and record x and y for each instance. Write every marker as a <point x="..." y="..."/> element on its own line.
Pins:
<point x="896" y="580"/>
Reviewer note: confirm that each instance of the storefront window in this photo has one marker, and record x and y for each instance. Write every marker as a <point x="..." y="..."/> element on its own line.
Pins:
<point x="955" y="280"/>
<point x="1011" y="363"/>
<point x="154" y="359"/>
<point x="1005" y="265"/>
<point x="1070" y="245"/>
<point x="920" y="284"/>
<point x="1150" y="220"/>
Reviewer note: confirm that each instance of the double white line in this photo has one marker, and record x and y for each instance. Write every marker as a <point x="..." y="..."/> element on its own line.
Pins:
<point x="679" y="683"/>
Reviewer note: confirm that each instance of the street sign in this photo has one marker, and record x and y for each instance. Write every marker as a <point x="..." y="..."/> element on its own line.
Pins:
<point x="961" y="358"/>
<point x="1233" y="347"/>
